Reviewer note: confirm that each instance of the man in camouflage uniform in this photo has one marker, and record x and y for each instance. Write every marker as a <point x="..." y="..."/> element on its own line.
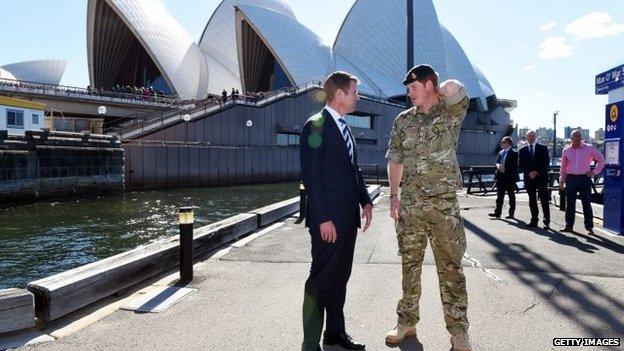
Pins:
<point x="422" y="154"/>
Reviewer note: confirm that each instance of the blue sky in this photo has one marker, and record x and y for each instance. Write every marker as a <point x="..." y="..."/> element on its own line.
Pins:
<point x="545" y="54"/>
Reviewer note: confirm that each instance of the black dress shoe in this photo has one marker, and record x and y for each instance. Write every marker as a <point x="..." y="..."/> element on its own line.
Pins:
<point x="494" y="215"/>
<point x="509" y="217"/>
<point x="567" y="229"/>
<point x="590" y="231"/>
<point x="343" y="340"/>
<point x="532" y="225"/>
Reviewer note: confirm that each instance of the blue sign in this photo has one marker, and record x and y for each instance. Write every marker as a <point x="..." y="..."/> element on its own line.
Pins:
<point x="614" y="121"/>
<point x="610" y="80"/>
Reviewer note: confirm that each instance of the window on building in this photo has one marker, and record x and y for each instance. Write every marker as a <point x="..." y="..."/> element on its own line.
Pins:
<point x="35" y="118"/>
<point x="62" y="125"/>
<point x="15" y="119"/>
<point x="287" y="139"/>
<point x="82" y="124"/>
<point x="365" y="122"/>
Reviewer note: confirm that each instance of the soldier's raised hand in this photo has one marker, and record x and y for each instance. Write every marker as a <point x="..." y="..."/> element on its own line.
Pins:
<point x="449" y="87"/>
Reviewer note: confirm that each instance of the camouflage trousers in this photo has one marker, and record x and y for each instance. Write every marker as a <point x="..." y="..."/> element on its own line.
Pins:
<point x="437" y="220"/>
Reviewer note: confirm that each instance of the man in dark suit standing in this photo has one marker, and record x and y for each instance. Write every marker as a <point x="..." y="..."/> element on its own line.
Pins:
<point x="534" y="162"/>
<point x="506" y="177"/>
<point x="335" y="190"/>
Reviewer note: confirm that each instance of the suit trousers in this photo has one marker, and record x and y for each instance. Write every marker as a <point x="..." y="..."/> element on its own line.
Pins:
<point x="326" y="287"/>
<point x="578" y="184"/>
<point x="505" y="187"/>
<point x="535" y="189"/>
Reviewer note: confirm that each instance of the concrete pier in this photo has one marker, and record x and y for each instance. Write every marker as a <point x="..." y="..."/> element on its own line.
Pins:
<point x="526" y="287"/>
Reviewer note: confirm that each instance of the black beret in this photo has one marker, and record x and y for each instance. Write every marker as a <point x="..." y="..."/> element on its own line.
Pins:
<point x="417" y="73"/>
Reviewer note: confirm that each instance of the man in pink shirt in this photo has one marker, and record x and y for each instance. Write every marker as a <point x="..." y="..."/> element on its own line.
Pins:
<point x="575" y="176"/>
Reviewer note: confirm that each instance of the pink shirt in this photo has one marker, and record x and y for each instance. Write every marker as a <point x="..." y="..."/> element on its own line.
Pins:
<point x="578" y="160"/>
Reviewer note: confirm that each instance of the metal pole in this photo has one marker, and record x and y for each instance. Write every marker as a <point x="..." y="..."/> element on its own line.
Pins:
<point x="186" y="243"/>
<point x="302" y="203"/>
<point x="554" y="154"/>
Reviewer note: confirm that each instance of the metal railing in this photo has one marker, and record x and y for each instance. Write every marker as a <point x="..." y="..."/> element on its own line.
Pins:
<point x="199" y="108"/>
<point x="64" y="91"/>
<point x="370" y="171"/>
<point x="482" y="178"/>
<point x="137" y="127"/>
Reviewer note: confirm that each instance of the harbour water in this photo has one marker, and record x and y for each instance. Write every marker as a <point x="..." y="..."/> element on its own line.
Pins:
<point x="42" y="239"/>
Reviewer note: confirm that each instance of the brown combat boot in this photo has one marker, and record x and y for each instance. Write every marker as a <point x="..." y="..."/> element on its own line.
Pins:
<point x="461" y="342"/>
<point x="399" y="333"/>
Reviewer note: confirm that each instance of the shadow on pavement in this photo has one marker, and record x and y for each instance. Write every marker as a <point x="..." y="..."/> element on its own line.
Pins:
<point x="554" y="235"/>
<point x="409" y="344"/>
<point x="574" y="298"/>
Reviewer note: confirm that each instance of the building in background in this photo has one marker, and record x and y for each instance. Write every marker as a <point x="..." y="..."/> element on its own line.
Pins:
<point x="17" y="116"/>
<point x="599" y="136"/>
<point x="260" y="46"/>
<point x="584" y="133"/>
<point x="545" y="135"/>
<point x="37" y="71"/>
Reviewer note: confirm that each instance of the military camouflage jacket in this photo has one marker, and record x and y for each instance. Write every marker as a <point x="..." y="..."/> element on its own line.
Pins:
<point x="426" y="146"/>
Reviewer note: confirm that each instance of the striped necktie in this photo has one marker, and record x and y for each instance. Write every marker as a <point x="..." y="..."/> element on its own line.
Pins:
<point x="346" y="137"/>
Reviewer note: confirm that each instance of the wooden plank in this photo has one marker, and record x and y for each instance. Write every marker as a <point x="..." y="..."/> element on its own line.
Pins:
<point x="63" y="293"/>
<point x="17" y="310"/>
<point x="272" y="213"/>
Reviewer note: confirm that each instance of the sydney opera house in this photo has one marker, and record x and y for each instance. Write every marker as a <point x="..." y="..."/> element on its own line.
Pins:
<point x="253" y="45"/>
<point x="260" y="49"/>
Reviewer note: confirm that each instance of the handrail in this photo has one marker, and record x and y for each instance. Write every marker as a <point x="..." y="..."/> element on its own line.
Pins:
<point x="134" y="128"/>
<point x="137" y="127"/>
<point x="93" y="94"/>
<point x="475" y="179"/>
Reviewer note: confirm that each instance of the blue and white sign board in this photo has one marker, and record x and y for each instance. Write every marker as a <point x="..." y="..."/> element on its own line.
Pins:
<point x="610" y="80"/>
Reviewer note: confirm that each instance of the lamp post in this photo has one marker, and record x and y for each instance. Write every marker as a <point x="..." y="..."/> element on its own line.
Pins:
<point x="186" y="119"/>
<point x="101" y="111"/>
<point x="248" y="124"/>
<point x="554" y="154"/>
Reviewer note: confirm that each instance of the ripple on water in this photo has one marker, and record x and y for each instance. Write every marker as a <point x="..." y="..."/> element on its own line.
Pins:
<point x="43" y="239"/>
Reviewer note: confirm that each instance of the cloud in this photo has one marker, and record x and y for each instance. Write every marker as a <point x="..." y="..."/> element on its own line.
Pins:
<point x="548" y="26"/>
<point x="528" y="68"/>
<point x="594" y="25"/>
<point x="555" y="47"/>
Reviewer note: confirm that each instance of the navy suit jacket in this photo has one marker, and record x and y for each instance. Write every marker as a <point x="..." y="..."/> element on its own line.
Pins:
<point x="540" y="162"/>
<point x="334" y="185"/>
<point x="511" y="168"/>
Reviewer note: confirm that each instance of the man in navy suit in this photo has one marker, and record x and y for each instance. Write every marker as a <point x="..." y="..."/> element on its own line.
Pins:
<point x="534" y="162"/>
<point x="506" y="177"/>
<point x="335" y="190"/>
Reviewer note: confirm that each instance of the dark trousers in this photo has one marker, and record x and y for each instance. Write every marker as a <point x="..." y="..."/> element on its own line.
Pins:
<point x="580" y="184"/>
<point x="509" y="188"/>
<point x="326" y="287"/>
<point x="535" y="189"/>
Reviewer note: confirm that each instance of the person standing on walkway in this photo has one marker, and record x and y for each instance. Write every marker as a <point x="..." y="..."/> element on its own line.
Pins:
<point x="535" y="162"/>
<point x="576" y="176"/>
<point x="422" y="155"/>
<point x="335" y="190"/>
<point x="506" y="176"/>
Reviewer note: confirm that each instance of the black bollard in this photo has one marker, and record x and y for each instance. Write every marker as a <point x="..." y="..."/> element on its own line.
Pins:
<point x="186" y="244"/>
<point x="302" y="203"/>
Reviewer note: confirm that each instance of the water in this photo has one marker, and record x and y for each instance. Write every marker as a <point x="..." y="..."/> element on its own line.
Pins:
<point x="42" y="239"/>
